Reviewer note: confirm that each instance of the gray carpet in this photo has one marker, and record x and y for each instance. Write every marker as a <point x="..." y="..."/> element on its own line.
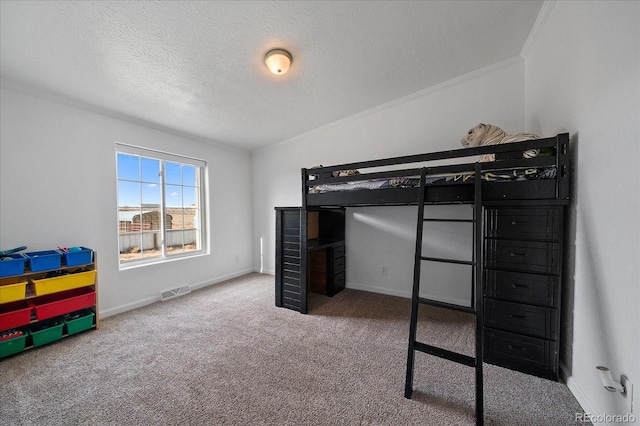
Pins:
<point x="225" y="355"/>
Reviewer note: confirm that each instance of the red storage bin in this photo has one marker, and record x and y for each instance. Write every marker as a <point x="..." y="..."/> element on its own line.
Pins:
<point x="14" y="314"/>
<point x="53" y="305"/>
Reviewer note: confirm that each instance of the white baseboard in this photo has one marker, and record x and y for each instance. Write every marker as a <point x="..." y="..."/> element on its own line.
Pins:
<point x="149" y="300"/>
<point x="402" y="293"/>
<point x="577" y="391"/>
<point x="221" y="278"/>
<point x="129" y="306"/>
<point x="381" y="290"/>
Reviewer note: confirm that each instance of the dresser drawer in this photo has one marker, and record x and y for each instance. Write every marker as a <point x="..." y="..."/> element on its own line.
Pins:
<point x="519" y="318"/>
<point x="338" y="265"/>
<point x="533" y="289"/>
<point x="526" y="256"/>
<point x="543" y="223"/>
<point x="527" y="354"/>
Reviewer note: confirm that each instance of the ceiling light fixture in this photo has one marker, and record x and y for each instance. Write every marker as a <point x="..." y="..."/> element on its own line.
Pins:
<point x="278" y="61"/>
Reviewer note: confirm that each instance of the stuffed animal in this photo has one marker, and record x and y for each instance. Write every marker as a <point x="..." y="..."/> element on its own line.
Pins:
<point x="488" y="134"/>
<point x="337" y="173"/>
<point x="344" y="173"/>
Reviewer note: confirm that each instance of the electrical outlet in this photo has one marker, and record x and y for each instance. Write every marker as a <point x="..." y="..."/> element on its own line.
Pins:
<point x="384" y="270"/>
<point x="628" y="393"/>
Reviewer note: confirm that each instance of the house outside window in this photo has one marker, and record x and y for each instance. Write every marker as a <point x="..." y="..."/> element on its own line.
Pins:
<point x="160" y="206"/>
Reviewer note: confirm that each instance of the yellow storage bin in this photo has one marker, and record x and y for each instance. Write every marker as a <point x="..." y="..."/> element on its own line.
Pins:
<point x="64" y="282"/>
<point x="12" y="289"/>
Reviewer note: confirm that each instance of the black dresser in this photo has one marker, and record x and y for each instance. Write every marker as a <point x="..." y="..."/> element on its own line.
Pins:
<point x="523" y="276"/>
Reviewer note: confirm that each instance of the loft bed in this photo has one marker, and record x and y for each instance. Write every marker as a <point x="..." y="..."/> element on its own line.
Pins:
<point x="510" y="177"/>
<point x="517" y="243"/>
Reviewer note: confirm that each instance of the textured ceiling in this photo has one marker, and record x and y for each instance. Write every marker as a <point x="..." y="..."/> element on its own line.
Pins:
<point x="197" y="66"/>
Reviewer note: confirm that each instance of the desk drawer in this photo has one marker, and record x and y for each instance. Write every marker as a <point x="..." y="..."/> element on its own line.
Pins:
<point x="526" y="256"/>
<point x="518" y="318"/>
<point x="527" y="354"/>
<point x="338" y="265"/>
<point x="524" y="223"/>
<point x="521" y="287"/>
<point x="339" y="281"/>
<point x="338" y="252"/>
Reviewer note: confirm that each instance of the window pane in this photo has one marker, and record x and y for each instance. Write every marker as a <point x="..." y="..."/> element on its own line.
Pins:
<point x="189" y="175"/>
<point x="150" y="170"/>
<point x="173" y="195"/>
<point x="130" y="246"/>
<point x="129" y="194"/>
<point x="189" y="195"/>
<point x="172" y="173"/>
<point x="151" y="196"/>
<point x="148" y="220"/>
<point x="152" y="245"/>
<point x="125" y="221"/>
<point x="175" y="242"/>
<point x="128" y="167"/>
<point x="182" y="241"/>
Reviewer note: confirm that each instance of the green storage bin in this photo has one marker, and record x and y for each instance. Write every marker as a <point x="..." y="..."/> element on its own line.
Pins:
<point x="46" y="332"/>
<point x="13" y="346"/>
<point x="76" y="324"/>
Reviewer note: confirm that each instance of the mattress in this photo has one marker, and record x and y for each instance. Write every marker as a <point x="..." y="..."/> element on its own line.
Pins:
<point x="436" y="179"/>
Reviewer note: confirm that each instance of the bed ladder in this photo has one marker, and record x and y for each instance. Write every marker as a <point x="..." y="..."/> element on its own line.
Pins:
<point x="476" y="295"/>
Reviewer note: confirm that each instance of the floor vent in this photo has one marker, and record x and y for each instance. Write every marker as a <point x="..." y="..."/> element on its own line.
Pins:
<point x="170" y="294"/>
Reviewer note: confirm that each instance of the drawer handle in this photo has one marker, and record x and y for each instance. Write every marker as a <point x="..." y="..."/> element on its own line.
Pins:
<point x="518" y="254"/>
<point x="522" y="317"/>
<point x="515" y="222"/>
<point x="518" y="348"/>
<point x="519" y="286"/>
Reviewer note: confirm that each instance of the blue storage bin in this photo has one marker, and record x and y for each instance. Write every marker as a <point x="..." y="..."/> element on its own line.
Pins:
<point x="78" y="257"/>
<point x="11" y="264"/>
<point x="44" y="260"/>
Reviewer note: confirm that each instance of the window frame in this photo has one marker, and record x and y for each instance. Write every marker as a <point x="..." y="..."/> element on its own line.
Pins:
<point x="200" y="194"/>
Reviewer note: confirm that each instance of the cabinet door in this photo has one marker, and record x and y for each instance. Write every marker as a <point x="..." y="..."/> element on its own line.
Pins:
<point x="291" y="260"/>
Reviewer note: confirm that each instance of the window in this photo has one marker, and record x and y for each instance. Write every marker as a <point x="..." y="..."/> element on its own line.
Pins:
<point x="160" y="206"/>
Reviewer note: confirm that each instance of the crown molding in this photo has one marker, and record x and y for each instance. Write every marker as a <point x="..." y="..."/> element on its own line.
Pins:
<point x="541" y="21"/>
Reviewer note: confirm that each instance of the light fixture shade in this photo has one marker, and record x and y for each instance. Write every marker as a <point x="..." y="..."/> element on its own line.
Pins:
<point x="278" y="61"/>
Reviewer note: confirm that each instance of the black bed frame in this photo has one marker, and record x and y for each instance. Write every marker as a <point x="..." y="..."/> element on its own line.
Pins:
<point x="500" y="211"/>
<point x="508" y="156"/>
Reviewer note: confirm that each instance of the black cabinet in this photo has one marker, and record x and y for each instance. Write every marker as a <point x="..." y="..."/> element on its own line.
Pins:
<point x="523" y="276"/>
<point x="291" y="258"/>
<point x="310" y="254"/>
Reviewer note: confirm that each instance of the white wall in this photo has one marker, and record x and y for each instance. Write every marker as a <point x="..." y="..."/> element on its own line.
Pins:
<point x="583" y="77"/>
<point x="58" y="187"/>
<point x="432" y="120"/>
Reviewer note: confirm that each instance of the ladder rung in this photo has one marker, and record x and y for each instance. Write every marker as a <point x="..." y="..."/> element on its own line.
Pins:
<point x="445" y="305"/>
<point x="439" y="259"/>
<point x="443" y="353"/>
<point x="449" y="220"/>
